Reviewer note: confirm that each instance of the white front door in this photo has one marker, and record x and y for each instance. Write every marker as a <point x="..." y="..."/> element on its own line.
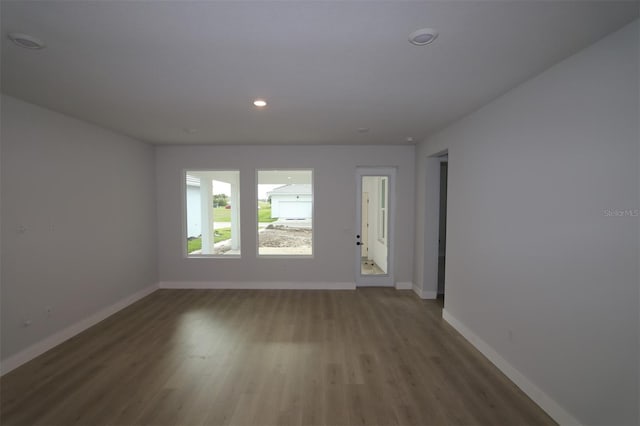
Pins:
<point x="364" y="226"/>
<point x="375" y="216"/>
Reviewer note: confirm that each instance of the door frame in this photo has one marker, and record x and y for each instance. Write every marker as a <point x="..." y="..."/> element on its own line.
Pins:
<point x="387" y="280"/>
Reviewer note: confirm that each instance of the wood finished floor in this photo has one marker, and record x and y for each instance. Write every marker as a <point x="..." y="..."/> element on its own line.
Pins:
<point x="232" y="357"/>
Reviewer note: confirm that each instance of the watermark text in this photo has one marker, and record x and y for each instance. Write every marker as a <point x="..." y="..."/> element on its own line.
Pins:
<point x="621" y="212"/>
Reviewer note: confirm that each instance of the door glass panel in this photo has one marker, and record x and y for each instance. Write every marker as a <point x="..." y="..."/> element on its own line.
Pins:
<point x="375" y="216"/>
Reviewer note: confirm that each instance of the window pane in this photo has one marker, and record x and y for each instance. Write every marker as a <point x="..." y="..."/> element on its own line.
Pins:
<point x="213" y="212"/>
<point x="285" y="212"/>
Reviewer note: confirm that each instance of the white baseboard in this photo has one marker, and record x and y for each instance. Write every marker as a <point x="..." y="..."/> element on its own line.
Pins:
<point x="44" y="345"/>
<point x="551" y="407"/>
<point x="374" y="284"/>
<point x="257" y="285"/>
<point x="425" y="294"/>
<point x="404" y="285"/>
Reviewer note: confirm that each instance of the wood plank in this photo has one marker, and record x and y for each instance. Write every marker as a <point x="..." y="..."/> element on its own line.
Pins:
<point x="226" y="357"/>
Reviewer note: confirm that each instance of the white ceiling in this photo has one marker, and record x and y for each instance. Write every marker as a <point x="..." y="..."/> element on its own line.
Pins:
<point x="150" y="69"/>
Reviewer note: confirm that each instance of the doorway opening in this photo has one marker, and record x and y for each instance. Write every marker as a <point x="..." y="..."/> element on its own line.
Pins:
<point x="442" y="226"/>
<point x="374" y="238"/>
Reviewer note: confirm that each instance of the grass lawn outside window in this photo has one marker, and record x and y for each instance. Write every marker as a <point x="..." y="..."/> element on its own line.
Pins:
<point x="222" y="214"/>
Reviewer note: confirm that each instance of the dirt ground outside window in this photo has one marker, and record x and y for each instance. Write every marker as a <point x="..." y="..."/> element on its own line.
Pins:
<point x="277" y="239"/>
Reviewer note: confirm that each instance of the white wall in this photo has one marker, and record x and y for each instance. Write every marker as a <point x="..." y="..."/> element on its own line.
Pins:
<point x="530" y="247"/>
<point x="425" y="274"/>
<point x="334" y="211"/>
<point x="85" y="200"/>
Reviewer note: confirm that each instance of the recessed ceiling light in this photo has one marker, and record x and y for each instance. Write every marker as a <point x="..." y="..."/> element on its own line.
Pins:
<point x="363" y="129"/>
<point x="190" y="130"/>
<point x="423" y="36"/>
<point x="26" y="41"/>
<point x="260" y="103"/>
<point x="410" y="139"/>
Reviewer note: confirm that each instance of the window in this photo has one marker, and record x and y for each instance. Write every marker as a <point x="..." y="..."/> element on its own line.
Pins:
<point x="382" y="210"/>
<point x="285" y="212"/>
<point x="212" y="213"/>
